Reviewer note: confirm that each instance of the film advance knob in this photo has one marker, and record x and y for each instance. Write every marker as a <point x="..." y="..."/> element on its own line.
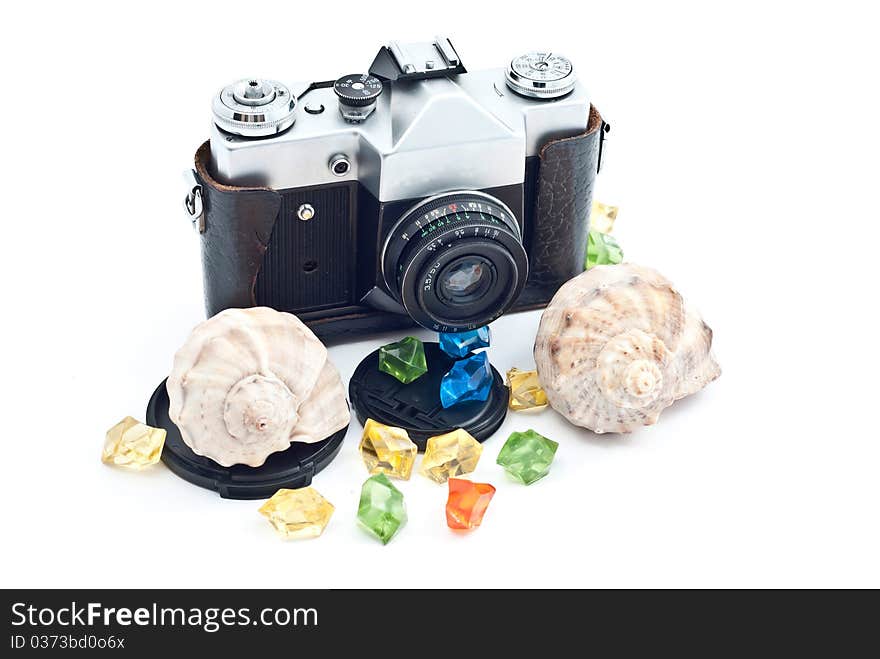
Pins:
<point x="357" y="94"/>
<point x="541" y="75"/>
<point x="254" y="108"/>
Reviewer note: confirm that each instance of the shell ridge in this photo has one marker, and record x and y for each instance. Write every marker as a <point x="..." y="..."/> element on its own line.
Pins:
<point x="244" y="382"/>
<point x="617" y="345"/>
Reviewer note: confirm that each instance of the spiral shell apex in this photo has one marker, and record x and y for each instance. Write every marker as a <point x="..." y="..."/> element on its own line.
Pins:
<point x="248" y="382"/>
<point x="617" y="345"/>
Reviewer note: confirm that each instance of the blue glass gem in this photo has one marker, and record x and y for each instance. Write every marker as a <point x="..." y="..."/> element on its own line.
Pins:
<point x="461" y="344"/>
<point x="468" y="379"/>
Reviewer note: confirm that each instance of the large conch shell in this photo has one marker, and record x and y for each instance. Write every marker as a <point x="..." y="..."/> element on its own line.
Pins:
<point x="617" y="345"/>
<point x="248" y="382"/>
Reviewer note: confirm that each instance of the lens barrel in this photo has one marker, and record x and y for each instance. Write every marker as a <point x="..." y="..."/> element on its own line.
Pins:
<point x="456" y="261"/>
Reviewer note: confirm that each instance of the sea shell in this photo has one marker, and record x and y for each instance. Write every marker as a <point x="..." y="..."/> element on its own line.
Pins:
<point x="617" y="345"/>
<point x="248" y="382"/>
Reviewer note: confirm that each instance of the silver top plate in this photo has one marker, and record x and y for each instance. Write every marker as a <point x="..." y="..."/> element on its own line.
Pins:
<point x="425" y="137"/>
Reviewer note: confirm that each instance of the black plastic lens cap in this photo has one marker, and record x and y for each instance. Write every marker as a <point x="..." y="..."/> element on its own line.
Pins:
<point x="416" y="407"/>
<point x="293" y="468"/>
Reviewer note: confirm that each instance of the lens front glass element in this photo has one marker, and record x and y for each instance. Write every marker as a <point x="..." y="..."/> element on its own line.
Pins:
<point x="466" y="280"/>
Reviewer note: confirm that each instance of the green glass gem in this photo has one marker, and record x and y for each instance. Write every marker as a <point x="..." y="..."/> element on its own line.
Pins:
<point x="527" y="456"/>
<point x="602" y="249"/>
<point x="405" y="359"/>
<point x="381" y="510"/>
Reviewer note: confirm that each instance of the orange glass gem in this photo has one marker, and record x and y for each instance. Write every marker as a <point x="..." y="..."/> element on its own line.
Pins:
<point x="467" y="502"/>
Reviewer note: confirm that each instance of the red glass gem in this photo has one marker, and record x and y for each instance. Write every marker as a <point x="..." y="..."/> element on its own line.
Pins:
<point x="467" y="502"/>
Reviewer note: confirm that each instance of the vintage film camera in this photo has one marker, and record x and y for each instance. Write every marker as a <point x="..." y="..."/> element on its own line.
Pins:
<point x="417" y="192"/>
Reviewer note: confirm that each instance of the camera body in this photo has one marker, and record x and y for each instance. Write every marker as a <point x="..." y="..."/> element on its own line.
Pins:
<point x="418" y="192"/>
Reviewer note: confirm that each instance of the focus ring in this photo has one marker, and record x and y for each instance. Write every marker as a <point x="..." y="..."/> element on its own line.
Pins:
<point x="421" y="215"/>
<point x="416" y="246"/>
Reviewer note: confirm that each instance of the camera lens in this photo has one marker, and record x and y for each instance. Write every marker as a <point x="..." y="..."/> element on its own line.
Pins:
<point x="456" y="261"/>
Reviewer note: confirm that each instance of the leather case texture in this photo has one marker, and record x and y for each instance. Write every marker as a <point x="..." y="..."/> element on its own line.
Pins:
<point x="566" y="173"/>
<point x="238" y="225"/>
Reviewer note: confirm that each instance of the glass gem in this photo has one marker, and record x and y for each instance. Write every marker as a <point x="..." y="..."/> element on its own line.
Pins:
<point x="405" y="360"/>
<point x="527" y="456"/>
<point x="461" y="344"/>
<point x="602" y="249"/>
<point x="381" y="510"/>
<point x="301" y="513"/>
<point x="466" y="503"/>
<point x="468" y="380"/>
<point x="133" y="444"/>
<point x="602" y="217"/>
<point x="387" y="450"/>
<point x="452" y="454"/>
<point x="525" y="390"/>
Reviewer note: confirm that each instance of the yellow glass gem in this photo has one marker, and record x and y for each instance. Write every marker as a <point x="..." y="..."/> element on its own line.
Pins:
<point x="602" y="217"/>
<point x="301" y="513"/>
<point x="387" y="450"/>
<point x="133" y="444"/>
<point x="525" y="390"/>
<point x="450" y="455"/>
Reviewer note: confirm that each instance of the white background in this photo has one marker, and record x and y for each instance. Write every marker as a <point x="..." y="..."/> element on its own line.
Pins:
<point x="743" y="156"/>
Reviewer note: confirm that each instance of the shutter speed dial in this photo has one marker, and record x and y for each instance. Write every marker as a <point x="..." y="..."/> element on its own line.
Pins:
<point x="357" y="94"/>
<point x="541" y="75"/>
